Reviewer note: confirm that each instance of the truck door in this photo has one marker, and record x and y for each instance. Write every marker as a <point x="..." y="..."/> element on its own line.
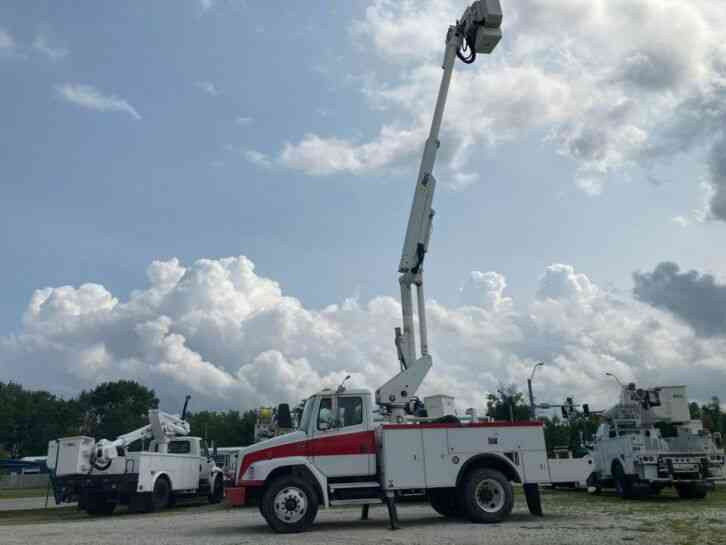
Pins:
<point x="341" y="443"/>
<point x="205" y="463"/>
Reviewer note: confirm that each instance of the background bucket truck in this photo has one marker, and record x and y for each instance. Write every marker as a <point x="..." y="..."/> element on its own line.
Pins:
<point x="648" y="441"/>
<point x="103" y="474"/>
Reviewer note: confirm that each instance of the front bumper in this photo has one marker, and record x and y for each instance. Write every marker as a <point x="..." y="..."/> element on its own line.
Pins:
<point x="235" y="496"/>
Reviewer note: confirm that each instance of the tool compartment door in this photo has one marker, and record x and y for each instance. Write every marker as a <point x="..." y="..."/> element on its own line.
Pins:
<point x="440" y="470"/>
<point x="402" y="459"/>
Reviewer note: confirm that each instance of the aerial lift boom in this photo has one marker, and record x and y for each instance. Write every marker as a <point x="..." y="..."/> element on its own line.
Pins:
<point x="478" y="31"/>
<point x="162" y="427"/>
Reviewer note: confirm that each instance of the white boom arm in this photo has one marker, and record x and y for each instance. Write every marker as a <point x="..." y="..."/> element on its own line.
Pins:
<point x="479" y="30"/>
<point x="162" y="427"/>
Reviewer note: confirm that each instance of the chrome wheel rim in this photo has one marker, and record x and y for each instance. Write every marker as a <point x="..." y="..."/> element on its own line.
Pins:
<point x="290" y="504"/>
<point x="489" y="495"/>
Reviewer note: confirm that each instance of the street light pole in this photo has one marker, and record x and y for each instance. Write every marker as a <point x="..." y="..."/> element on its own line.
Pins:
<point x="529" y="387"/>
<point x="616" y="379"/>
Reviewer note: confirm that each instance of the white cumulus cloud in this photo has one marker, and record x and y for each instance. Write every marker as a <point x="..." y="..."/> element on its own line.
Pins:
<point x="604" y="80"/>
<point x="87" y="96"/>
<point x="232" y="338"/>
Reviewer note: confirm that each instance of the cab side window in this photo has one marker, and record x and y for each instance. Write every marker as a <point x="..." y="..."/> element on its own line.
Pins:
<point x="179" y="447"/>
<point x="351" y="411"/>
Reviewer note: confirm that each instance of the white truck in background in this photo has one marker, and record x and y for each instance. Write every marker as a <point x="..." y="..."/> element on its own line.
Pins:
<point x="633" y="454"/>
<point x="100" y="475"/>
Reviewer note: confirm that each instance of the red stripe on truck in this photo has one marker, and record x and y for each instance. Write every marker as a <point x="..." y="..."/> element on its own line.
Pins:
<point x="337" y="445"/>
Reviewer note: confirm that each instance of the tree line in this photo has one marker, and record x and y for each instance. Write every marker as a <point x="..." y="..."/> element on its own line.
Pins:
<point x="31" y="418"/>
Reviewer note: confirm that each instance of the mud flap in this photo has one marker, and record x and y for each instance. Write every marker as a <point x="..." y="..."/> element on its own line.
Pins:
<point x="534" y="500"/>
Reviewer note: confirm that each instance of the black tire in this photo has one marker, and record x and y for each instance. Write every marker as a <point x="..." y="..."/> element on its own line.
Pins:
<point x="160" y="497"/>
<point x="486" y="496"/>
<point x="98" y="506"/>
<point x="692" y="491"/>
<point x="623" y="482"/>
<point x="217" y="493"/>
<point x="138" y="503"/>
<point x="444" y="502"/>
<point x="289" y="504"/>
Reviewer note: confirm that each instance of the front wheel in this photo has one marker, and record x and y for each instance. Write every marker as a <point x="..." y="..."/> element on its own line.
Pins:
<point x="290" y="505"/>
<point x="217" y="493"/>
<point x="692" y="491"/>
<point x="486" y="496"/>
<point x="98" y="506"/>
<point x="623" y="482"/>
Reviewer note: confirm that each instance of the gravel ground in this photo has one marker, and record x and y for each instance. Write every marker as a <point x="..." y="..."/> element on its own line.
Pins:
<point x="571" y="518"/>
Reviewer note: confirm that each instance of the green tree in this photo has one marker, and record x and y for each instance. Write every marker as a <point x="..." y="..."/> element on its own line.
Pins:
<point x="224" y="428"/>
<point x="508" y="403"/>
<point x="29" y="419"/>
<point x="571" y="434"/>
<point x="695" y="410"/>
<point x="713" y="418"/>
<point x="114" y="408"/>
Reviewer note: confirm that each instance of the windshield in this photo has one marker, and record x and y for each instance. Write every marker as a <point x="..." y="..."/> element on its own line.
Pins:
<point x="305" y="418"/>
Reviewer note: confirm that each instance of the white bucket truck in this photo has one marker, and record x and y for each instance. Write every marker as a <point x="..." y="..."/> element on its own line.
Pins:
<point x="342" y="455"/>
<point x="100" y="475"/>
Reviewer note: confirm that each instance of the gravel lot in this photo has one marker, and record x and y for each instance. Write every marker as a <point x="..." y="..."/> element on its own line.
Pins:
<point x="17" y="504"/>
<point x="571" y="518"/>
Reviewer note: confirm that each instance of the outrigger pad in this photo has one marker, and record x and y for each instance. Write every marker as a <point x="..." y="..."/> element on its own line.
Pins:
<point x="534" y="500"/>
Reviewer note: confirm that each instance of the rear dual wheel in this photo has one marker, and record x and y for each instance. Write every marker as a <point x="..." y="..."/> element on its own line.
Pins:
<point x="445" y="502"/>
<point x="160" y="498"/>
<point x="486" y="496"/>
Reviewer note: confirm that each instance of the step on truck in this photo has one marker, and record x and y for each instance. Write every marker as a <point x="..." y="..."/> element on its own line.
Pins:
<point x="100" y="475"/>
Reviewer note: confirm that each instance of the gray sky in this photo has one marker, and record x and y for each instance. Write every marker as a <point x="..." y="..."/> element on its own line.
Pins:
<point x="144" y="144"/>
